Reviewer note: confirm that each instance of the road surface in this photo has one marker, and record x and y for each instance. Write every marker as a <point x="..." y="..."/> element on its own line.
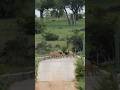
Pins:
<point x="56" y="74"/>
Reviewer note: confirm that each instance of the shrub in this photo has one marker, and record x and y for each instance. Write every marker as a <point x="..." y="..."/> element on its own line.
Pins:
<point x="39" y="27"/>
<point x="77" y="43"/>
<point x="107" y="82"/>
<point x="43" y="48"/>
<point x="79" y="68"/>
<point x="80" y="72"/>
<point x="51" y="36"/>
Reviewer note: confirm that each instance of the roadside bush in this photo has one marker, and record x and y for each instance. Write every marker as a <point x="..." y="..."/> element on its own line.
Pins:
<point x="50" y="37"/>
<point x="80" y="72"/>
<point x="79" y="68"/>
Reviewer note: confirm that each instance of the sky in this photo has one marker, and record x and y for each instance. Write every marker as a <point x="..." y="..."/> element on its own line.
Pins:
<point x="37" y="13"/>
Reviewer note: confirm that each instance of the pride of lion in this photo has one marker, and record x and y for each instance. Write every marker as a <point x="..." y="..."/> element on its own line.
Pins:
<point x="55" y="54"/>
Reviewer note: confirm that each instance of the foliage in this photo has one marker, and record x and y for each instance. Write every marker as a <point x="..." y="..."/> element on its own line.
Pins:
<point x="14" y="51"/>
<point x="108" y="82"/>
<point x="51" y="36"/>
<point x="76" y="42"/>
<point x="62" y="29"/>
<point x="41" y="5"/>
<point x="80" y="68"/>
<point x="80" y="72"/>
<point x="43" y="48"/>
<point x="57" y="13"/>
<point x="76" y="6"/>
<point x="39" y="26"/>
<point x="100" y="31"/>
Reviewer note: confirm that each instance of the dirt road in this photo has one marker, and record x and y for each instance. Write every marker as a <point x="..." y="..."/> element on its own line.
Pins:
<point x="56" y="74"/>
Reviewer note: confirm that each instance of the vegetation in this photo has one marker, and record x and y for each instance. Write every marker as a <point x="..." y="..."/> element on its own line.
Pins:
<point x="76" y="41"/>
<point x="58" y="30"/>
<point x="107" y="82"/>
<point x="80" y="73"/>
<point x="50" y="37"/>
<point x="39" y="26"/>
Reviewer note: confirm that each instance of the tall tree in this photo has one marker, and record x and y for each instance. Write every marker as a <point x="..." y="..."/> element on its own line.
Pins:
<point x="61" y="4"/>
<point x="76" y="6"/>
<point x="41" y="5"/>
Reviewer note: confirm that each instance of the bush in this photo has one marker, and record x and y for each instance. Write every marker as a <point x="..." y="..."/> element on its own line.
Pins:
<point x="80" y="72"/>
<point x="39" y="27"/>
<point x="43" y="48"/>
<point x="79" y="68"/>
<point x="77" y="43"/>
<point x="51" y="36"/>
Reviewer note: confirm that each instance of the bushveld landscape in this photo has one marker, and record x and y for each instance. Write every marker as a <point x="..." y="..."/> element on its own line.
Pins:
<point x="59" y="45"/>
<point x="63" y="30"/>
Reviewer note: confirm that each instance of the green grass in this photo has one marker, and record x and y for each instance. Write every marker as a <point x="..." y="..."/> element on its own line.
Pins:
<point x="54" y="23"/>
<point x="54" y="43"/>
<point x="60" y="27"/>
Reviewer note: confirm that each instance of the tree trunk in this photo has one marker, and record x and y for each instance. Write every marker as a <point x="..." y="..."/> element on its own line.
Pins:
<point x="75" y="17"/>
<point x="67" y="17"/>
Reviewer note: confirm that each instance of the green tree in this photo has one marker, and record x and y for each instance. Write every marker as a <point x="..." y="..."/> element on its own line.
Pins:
<point x="41" y="5"/>
<point x="76" y="6"/>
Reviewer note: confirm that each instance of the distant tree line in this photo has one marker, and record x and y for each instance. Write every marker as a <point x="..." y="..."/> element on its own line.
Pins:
<point x="59" y="6"/>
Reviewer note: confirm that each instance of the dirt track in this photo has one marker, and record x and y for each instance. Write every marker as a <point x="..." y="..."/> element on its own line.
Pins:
<point x="55" y="85"/>
<point x="56" y="74"/>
